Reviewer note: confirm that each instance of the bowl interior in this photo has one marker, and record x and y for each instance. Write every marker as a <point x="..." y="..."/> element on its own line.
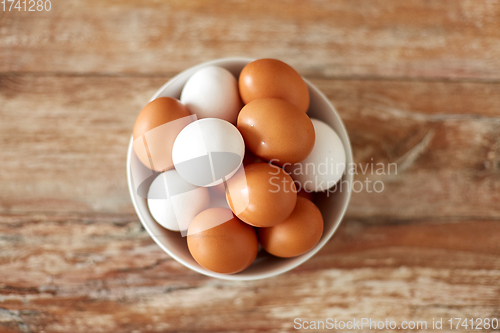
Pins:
<point x="332" y="205"/>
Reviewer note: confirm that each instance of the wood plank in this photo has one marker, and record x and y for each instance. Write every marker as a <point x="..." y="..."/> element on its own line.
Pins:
<point x="417" y="84"/>
<point x="384" y="38"/>
<point x="63" y="144"/>
<point x="444" y="138"/>
<point x="102" y="273"/>
<point x="70" y="154"/>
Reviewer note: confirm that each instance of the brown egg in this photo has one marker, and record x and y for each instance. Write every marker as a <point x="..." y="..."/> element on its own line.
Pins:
<point x="276" y="130"/>
<point x="299" y="233"/>
<point x="271" y="78"/>
<point x="261" y="194"/>
<point x="220" y="242"/>
<point x="155" y="131"/>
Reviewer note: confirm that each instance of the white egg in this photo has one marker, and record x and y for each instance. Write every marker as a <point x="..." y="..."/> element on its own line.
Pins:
<point x="174" y="203"/>
<point x="212" y="92"/>
<point x="208" y="151"/>
<point x="326" y="163"/>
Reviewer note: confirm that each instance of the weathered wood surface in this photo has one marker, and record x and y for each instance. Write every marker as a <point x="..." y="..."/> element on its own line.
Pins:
<point x="101" y="273"/>
<point x="382" y="38"/>
<point x="64" y="142"/>
<point x="416" y="83"/>
<point x="73" y="255"/>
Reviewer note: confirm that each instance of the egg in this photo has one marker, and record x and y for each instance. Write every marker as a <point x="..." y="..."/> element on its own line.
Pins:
<point x="174" y="203"/>
<point x="208" y="151"/>
<point x="299" y="233"/>
<point x="220" y="242"/>
<point x="276" y="130"/>
<point x="155" y="130"/>
<point x="212" y="92"/>
<point x="326" y="163"/>
<point x="261" y="194"/>
<point x="271" y="78"/>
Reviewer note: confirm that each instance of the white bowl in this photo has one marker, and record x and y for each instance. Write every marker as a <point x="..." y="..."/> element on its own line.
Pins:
<point x="332" y="206"/>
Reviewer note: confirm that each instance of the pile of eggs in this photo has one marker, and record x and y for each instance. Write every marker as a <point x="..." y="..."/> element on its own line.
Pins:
<point x="235" y="162"/>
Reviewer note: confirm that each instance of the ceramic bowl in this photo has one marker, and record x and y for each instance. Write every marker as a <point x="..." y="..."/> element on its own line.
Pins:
<point x="333" y="205"/>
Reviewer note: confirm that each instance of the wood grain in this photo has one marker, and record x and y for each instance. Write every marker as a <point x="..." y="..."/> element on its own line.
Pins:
<point x="91" y="267"/>
<point x="70" y="155"/>
<point x="102" y="273"/>
<point x="383" y="38"/>
<point x="416" y="82"/>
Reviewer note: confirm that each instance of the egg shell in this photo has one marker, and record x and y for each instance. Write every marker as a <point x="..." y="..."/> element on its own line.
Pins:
<point x="174" y="203"/>
<point x="208" y="151"/>
<point x="299" y="233"/>
<point x="326" y="163"/>
<point x="261" y="194"/>
<point x="271" y="78"/>
<point x="212" y="92"/>
<point x="220" y="242"/>
<point x="275" y="130"/>
<point x="155" y="130"/>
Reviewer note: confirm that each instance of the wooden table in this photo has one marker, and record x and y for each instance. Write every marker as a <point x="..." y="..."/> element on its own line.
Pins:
<point x="416" y="82"/>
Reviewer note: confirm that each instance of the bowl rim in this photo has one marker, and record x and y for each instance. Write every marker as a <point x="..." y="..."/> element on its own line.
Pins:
<point x="304" y="257"/>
